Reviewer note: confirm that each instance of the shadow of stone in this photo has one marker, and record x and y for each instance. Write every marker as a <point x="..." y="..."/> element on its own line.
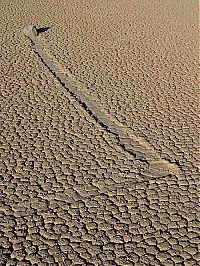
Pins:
<point x="41" y="30"/>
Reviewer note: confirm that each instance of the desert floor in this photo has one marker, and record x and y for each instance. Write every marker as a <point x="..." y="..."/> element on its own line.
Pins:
<point x="71" y="192"/>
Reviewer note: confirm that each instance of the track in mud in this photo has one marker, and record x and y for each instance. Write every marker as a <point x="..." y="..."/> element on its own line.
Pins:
<point x="126" y="138"/>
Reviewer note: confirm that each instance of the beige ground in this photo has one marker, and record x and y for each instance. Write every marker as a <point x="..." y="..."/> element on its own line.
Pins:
<point x="70" y="194"/>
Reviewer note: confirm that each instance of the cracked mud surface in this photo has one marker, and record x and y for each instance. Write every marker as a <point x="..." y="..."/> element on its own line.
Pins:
<point x="70" y="194"/>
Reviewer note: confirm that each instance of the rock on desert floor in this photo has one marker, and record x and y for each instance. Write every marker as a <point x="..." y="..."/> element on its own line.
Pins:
<point x="100" y="146"/>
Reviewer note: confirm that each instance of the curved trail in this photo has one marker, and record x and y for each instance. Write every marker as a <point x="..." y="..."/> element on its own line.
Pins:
<point x="126" y="138"/>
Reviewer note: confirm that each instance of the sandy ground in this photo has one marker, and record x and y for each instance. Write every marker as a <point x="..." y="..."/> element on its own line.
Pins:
<point x="70" y="195"/>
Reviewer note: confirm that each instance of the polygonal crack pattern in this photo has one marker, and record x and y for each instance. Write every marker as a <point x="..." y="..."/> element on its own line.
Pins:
<point x="70" y="195"/>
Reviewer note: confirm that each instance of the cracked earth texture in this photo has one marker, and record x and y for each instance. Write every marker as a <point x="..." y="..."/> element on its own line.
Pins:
<point x="70" y="194"/>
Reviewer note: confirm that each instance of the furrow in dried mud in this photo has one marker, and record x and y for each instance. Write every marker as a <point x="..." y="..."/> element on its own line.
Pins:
<point x="126" y="138"/>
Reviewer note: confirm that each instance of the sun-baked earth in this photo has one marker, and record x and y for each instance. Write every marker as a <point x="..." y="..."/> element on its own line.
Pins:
<point x="71" y="191"/>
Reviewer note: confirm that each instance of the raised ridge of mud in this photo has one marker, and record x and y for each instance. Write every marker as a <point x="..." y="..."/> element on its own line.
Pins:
<point x="126" y="138"/>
